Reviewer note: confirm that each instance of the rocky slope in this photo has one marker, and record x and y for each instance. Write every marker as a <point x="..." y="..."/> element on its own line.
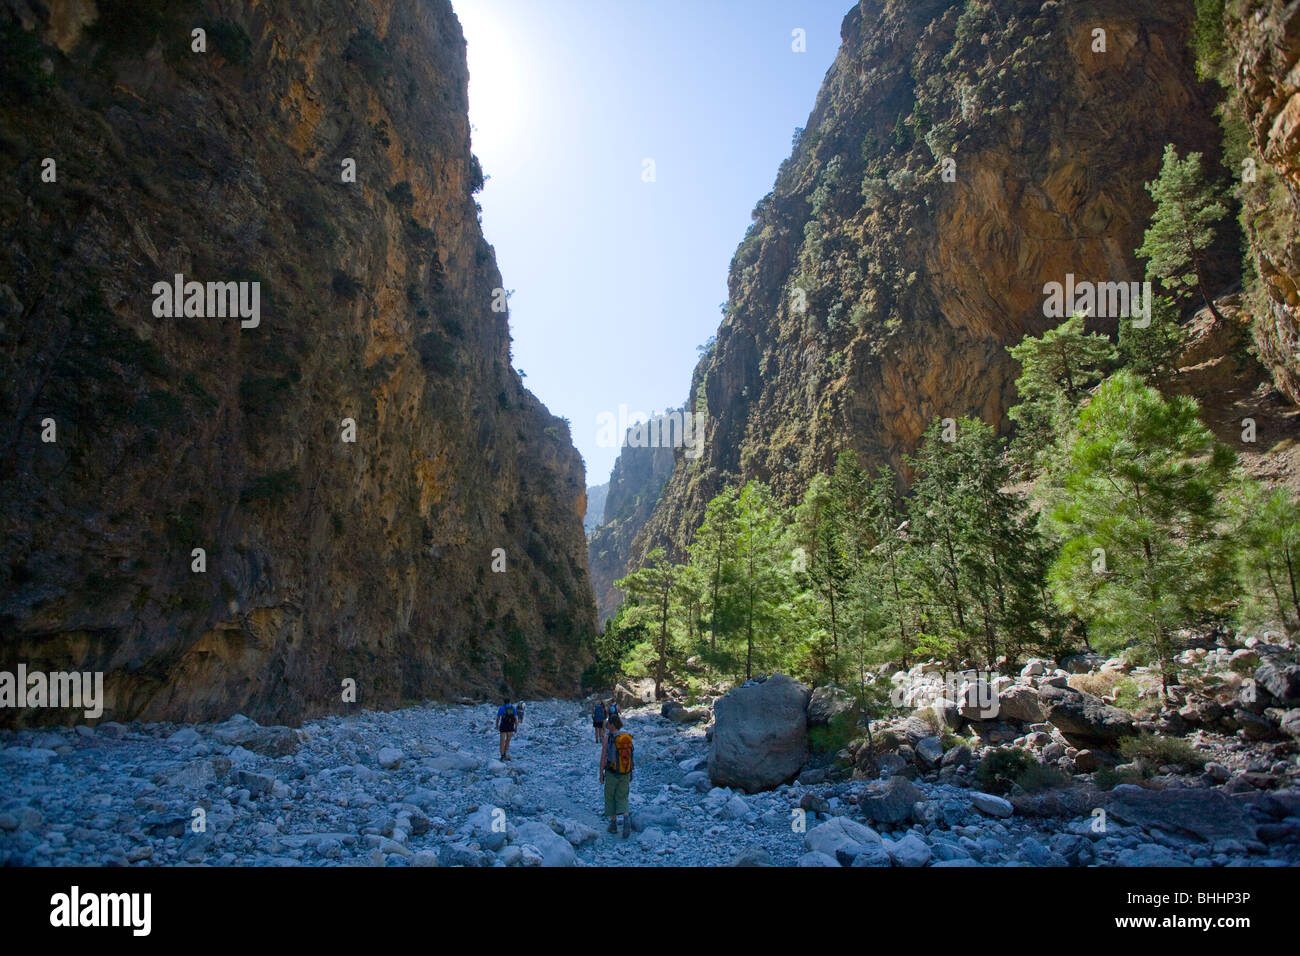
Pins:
<point x="635" y="484"/>
<point x="871" y="295"/>
<point x="1262" y="49"/>
<point x="595" y="514"/>
<point x="326" y="559"/>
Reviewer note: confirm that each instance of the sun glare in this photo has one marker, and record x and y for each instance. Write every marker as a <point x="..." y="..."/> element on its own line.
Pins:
<point x="496" y="94"/>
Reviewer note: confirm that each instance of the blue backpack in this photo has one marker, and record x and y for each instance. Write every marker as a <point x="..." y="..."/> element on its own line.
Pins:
<point x="598" y="715"/>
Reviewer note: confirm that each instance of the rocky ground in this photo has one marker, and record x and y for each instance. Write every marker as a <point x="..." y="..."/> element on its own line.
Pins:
<point x="422" y="787"/>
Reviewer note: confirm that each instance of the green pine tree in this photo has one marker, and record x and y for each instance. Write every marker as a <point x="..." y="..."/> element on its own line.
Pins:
<point x="1182" y="230"/>
<point x="1137" y="505"/>
<point x="1056" y="371"/>
<point x="1268" y="539"/>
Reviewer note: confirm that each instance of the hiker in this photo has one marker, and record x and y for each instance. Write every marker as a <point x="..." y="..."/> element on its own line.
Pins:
<point x="616" y="773"/>
<point x="519" y="713"/>
<point x="598" y="720"/>
<point x="505" y="724"/>
<point x="612" y="708"/>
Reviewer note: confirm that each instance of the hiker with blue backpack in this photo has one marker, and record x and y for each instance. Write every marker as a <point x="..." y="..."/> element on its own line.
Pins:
<point x="598" y="720"/>
<point x="616" y="773"/>
<point x="505" y="724"/>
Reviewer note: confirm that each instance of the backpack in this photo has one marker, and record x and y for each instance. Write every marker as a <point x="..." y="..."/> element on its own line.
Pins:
<point x="613" y="707"/>
<point x="598" y="715"/>
<point x="508" y="720"/>
<point x="618" y="754"/>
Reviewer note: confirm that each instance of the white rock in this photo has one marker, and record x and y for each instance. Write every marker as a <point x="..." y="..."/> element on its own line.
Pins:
<point x="991" y="805"/>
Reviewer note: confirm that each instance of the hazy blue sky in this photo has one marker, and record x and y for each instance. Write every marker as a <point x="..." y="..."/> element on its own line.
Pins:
<point x="617" y="280"/>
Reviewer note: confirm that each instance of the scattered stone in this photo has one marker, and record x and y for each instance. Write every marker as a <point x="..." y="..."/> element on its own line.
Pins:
<point x="752" y="856"/>
<point x="910" y="851"/>
<point x="891" y="803"/>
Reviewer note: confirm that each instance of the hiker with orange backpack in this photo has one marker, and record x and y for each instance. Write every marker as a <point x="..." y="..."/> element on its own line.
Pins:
<point x="616" y="773"/>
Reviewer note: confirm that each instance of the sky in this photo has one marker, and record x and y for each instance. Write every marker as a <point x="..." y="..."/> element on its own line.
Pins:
<point x="618" y="265"/>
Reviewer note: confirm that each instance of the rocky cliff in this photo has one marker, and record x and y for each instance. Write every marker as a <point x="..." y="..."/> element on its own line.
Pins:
<point x="1260" y="53"/>
<point x="960" y="155"/>
<point x="635" y="484"/>
<point x="350" y="462"/>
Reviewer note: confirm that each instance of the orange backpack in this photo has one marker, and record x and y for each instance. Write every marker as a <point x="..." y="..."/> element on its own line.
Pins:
<point x="619" y="757"/>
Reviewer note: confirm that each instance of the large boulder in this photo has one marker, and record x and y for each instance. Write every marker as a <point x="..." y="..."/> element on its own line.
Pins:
<point x="1084" y="717"/>
<point x="830" y="702"/>
<point x="1204" y="814"/>
<point x="1020" y="702"/>
<point x="760" y="735"/>
<point x="635" y="693"/>
<point x="840" y="837"/>
<point x="891" y="802"/>
<point x="240" y="731"/>
<point x="680" y="714"/>
<point x="555" y="849"/>
<point x="1281" y="681"/>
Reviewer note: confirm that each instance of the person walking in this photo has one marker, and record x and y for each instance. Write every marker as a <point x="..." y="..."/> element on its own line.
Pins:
<point x="598" y="720"/>
<point x="616" y="773"/>
<point x="519" y="714"/>
<point x="505" y="725"/>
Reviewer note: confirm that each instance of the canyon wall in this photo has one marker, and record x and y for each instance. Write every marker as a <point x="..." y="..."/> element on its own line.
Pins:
<point x="960" y="155"/>
<point x="324" y="560"/>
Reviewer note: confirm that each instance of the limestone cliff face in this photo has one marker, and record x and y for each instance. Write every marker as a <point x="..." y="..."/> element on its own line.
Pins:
<point x="326" y="560"/>
<point x="1264" y="38"/>
<point x="873" y="295"/>
<point x="635" y="484"/>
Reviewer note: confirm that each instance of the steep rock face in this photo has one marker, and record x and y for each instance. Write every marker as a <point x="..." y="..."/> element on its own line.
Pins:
<point x="635" y="484"/>
<point x="871" y="296"/>
<point x="1265" y="36"/>
<point x="595" y="513"/>
<point x="326" y="560"/>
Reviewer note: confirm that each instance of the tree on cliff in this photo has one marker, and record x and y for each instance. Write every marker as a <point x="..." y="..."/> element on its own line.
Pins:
<point x="1182" y="227"/>
<point x="1138" y="507"/>
<point x="1056" y="371"/>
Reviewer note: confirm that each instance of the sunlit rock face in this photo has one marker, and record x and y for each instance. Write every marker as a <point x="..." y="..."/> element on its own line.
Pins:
<point x="439" y="553"/>
<point x="1265" y="36"/>
<point x="959" y="158"/>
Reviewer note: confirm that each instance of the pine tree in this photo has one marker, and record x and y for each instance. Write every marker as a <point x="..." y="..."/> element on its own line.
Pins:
<point x="1056" y="372"/>
<point x="650" y="589"/>
<point x="763" y="571"/>
<point x="983" y="554"/>
<point x="819" y="537"/>
<point x="1182" y="227"/>
<point x="1153" y="350"/>
<point x="713" y="551"/>
<point x="1137" y="505"/>
<point x="1268" y="539"/>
